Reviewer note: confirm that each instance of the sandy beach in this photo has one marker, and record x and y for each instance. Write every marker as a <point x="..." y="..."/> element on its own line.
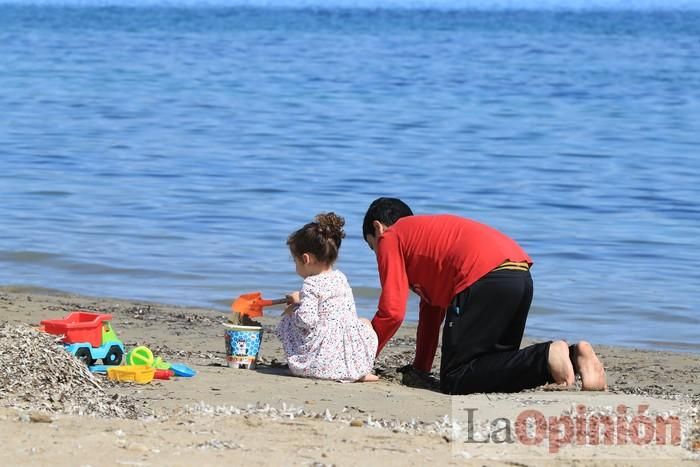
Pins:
<point x="264" y="416"/>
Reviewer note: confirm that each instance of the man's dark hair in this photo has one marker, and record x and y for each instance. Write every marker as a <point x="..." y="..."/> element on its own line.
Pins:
<point x="385" y="210"/>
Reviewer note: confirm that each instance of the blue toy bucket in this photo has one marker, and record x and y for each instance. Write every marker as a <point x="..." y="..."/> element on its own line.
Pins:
<point x="242" y="345"/>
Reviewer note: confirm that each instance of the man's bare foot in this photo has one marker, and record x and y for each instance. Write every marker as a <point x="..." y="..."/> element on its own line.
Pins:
<point x="368" y="378"/>
<point x="589" y="367"/>
<point x="560" y="366"/>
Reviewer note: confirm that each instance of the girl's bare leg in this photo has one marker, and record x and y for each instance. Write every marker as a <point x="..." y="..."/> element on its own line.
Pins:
<point x="368" y="378"/>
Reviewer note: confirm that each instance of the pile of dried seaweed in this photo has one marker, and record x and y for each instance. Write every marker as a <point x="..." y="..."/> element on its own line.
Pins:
<point x="36" y="373"/>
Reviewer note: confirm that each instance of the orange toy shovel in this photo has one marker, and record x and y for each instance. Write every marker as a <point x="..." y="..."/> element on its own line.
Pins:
<point x="252" y="304"/>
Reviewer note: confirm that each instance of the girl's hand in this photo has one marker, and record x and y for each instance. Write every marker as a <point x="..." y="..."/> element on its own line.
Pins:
<point x="293" y="299"/>
<point x="290" y="309"/>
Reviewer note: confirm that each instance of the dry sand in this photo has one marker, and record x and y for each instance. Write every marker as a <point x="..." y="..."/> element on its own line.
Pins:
<point x="263" y="416"/>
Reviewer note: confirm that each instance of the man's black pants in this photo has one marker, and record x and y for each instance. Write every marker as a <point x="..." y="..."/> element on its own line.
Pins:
<point x="482" y="335"/>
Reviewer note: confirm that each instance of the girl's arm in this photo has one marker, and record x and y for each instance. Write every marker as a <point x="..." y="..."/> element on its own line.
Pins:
<point x="306" y="315"/>
<point x="292" y="304"/>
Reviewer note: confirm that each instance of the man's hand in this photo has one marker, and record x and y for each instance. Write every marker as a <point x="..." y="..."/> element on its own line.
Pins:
<point x="418" y="379"/>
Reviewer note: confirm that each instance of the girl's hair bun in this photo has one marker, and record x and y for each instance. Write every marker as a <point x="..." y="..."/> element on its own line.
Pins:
<point x="330" y="225"/>
<point x="322" y="237"/>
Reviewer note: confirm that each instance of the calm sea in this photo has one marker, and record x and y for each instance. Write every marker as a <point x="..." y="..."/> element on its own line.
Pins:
<point x="165" y="152"/>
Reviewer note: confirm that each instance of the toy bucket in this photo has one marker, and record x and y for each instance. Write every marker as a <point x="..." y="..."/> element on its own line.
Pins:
<point x="242" y="345"/>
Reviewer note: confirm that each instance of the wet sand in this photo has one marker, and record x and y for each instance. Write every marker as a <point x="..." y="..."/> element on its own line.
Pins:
<point x="264" y="416"/>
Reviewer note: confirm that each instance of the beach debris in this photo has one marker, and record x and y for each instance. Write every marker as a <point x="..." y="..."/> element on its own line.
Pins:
<point x="446" y="428"/>
<point x="440" y="427"/>
<point x="38" y="375"/>
<point x="40" y="417"/>
<point x="252" y="421"/>
<point x="218" y="444"/>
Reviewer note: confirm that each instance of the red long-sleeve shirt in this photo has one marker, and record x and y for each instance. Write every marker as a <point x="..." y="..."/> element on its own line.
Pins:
<point x="436" y="256"/>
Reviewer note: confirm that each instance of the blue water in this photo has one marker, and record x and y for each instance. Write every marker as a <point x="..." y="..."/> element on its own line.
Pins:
<point x="165" y="152"/>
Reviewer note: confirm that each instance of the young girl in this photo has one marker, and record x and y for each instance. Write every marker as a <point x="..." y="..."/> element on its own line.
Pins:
<point x="320" y="331"/>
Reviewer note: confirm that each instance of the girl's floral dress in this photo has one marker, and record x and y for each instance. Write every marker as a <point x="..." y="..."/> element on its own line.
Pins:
<point x="324" y="338"/>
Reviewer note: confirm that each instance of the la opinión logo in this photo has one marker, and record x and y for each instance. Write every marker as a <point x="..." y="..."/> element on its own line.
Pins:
<point x="582" y="428"/>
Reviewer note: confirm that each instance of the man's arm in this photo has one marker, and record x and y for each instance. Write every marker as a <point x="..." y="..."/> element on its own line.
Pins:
<point x="429" y="320"/>
<point x="392" y="302"/>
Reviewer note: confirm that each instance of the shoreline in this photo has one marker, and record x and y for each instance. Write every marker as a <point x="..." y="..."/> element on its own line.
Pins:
<point x="243" y="411"/>
<point x="408" y="324"/>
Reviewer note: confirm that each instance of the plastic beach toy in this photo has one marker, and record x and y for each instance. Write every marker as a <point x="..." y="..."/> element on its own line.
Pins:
<point x="180" y="369"/>
<point x="242" y="345"/>
<point x="252" y="304"/>
<point x="88" y="336"/>
<point x="139" y="374"/>
<point x="140" y="355"/>
<point x="163" y="374"/>
<point x="160" y="364"/>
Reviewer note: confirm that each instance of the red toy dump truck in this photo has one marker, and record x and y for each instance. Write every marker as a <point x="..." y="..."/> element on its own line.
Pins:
<point x="88" y="336"/>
